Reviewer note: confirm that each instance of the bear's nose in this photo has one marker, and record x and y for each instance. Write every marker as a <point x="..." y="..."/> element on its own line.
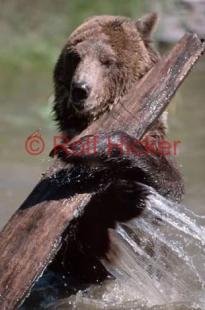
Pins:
<point x="79" y="93"/>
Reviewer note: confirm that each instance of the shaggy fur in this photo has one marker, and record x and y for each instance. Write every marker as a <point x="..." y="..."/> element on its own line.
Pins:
<point x="110" y="54"/>
<point x="106" y="56"/>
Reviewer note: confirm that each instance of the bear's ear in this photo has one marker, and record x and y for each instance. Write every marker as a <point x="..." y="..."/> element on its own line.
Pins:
<point x="147" y="24"/>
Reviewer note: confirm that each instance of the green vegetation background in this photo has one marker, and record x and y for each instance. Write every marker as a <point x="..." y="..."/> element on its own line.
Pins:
<point x="32" y="32"/>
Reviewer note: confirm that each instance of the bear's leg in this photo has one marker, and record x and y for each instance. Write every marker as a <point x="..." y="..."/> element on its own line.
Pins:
<point x="126" y="158"/>
<point x="87" y="238"/>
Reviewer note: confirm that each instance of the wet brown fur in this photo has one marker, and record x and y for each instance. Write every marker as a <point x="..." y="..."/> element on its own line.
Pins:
<point x="117" y="42"/>
<point x="121" y="50"/>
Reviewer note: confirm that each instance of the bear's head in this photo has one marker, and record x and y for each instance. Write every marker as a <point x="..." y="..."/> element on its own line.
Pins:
<point x="101" y="61"/>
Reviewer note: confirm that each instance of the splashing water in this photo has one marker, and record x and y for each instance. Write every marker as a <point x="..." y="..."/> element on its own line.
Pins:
<point x="159" y="263"/>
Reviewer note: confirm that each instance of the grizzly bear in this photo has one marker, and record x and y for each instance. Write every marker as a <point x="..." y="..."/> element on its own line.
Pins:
<point x="99" y="64"/>
<point x="102" y="60"/>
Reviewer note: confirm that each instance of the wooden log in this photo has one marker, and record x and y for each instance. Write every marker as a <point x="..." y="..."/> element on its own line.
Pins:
<point x="32" y="236"/>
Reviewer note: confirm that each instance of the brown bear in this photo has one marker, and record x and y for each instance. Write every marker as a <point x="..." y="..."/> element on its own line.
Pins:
<point x="101" y="61"/>
<point x="99" y="64"/>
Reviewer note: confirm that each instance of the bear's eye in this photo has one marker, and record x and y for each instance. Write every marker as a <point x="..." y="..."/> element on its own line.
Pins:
<point x="108" y="62"/>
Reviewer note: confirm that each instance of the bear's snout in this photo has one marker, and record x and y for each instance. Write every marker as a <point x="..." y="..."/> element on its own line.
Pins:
<point x="79" y="93"/>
